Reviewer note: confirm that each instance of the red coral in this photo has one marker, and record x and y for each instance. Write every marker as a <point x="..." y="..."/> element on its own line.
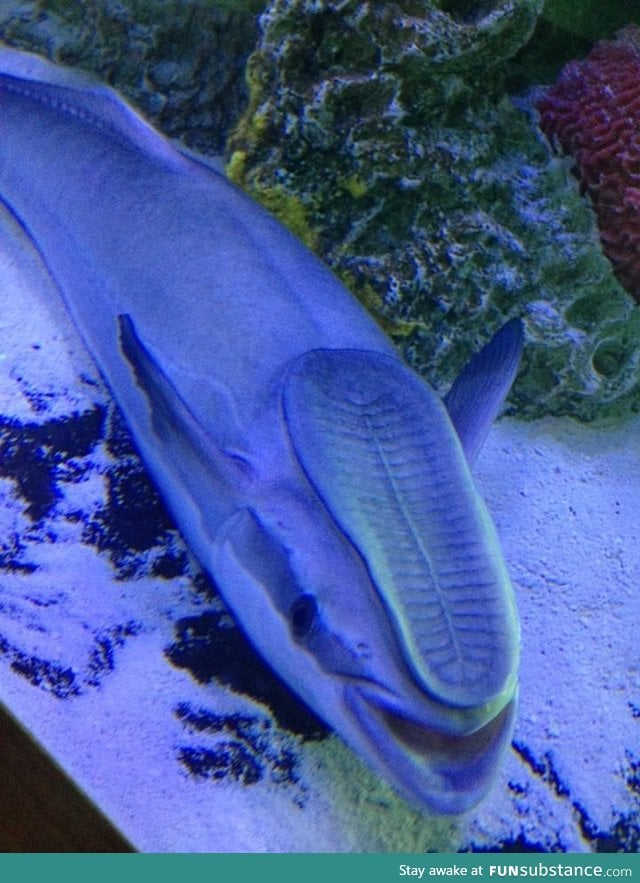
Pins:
<point x="593" y="113"/>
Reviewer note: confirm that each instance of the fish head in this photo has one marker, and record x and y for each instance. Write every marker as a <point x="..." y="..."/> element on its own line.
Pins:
<point x="376" y="585"/>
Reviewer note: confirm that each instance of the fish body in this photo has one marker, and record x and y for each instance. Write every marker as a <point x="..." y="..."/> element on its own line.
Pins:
<point x="321" y="483"/>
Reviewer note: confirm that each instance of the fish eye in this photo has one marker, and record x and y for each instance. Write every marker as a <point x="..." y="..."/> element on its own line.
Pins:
<point x="302" y="616"/>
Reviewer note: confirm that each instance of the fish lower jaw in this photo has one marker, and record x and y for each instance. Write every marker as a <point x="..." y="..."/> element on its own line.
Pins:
<point x="435" y="769"/>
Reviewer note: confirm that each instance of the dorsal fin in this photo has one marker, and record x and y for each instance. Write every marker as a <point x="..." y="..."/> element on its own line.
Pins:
<point x="477" y="394"/>
<point x="378" y="447"/>
<point x="79" y="94"/>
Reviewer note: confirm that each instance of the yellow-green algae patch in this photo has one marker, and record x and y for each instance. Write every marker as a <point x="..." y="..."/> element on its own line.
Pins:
<point x="382" y="821"/>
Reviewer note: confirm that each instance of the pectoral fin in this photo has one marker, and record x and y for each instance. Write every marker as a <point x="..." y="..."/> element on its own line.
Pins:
<point x="378" y="447"/>
<point x="474" y="400"/>
<point x="175" y="422"/>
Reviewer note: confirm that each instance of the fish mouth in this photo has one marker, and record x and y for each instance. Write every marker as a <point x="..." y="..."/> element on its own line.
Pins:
<point x="442" y="769"/>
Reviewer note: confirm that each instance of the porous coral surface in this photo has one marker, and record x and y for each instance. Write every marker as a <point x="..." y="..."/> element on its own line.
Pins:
<point x="383" y="134"/>
<point x="593" y="114"/>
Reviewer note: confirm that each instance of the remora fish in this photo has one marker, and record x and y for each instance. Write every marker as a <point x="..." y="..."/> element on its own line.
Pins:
<point x="317" y="478"/>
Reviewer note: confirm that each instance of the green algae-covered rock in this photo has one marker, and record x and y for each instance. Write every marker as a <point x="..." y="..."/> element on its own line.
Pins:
<point x="180" y="61"/>
<point x="383" y="135"/>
